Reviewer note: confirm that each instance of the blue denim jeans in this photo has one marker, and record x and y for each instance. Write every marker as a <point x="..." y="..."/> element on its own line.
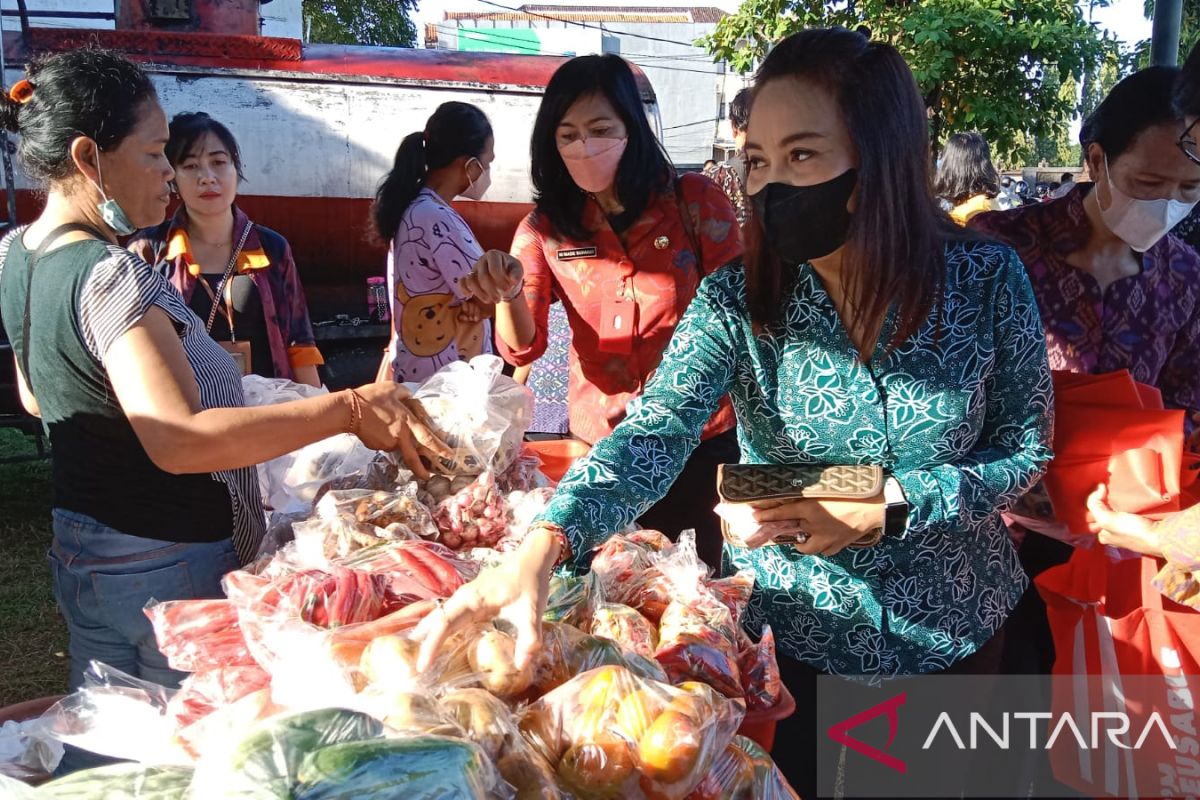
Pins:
<point x="104" y="578"/>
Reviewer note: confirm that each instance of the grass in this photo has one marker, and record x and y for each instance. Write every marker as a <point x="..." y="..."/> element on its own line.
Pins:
<point x="33" y="636"/>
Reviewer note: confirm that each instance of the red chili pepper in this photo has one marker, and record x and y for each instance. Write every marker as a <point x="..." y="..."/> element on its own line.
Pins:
<point x="447" y="576"/>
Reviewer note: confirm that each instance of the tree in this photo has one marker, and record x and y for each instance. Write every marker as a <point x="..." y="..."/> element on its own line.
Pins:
<point x="981" y="64"/>
<point x="1189" y="34"/>
<point x="377" y="22"/>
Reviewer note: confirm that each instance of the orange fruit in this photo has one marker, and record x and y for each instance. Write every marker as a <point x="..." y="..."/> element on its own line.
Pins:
<point x="602" y="686"/>
<point x="636" y="712"/>
<point x="597" y="769"/>
<point x="670" y="748"/>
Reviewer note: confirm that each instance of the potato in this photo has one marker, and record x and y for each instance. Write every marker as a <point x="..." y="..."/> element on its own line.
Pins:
<point x="410" y="711"/>
<point x="529" y="775"/>
<point x="484" y="718"/>
<point x="493" y="657"/>
<point x="390" y="660"/>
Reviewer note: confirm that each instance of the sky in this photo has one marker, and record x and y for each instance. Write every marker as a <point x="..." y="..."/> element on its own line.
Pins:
<point x="1123" y="18"/>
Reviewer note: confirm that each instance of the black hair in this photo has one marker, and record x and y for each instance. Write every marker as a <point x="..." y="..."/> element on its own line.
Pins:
<point x="644" y="169"/>
<point x="739" y="110"/>
<point x="86" y="92"/>
<point x="189" y="128"/>
<point x="1067" y="177"/>
<point x="1187" y="86"/>
<point x="1141" y="101"/>
<point x="966" y="169"/>
<point x="895" y="247"/>
<point x="455" y="129"/>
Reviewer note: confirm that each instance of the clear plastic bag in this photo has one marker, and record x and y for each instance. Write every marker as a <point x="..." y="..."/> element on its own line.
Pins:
<point x="427" y="767"/>
<point x="272" y="475"/>
<point x="476" y="516"/>
<point x="611" y="734"/>
<point x="264" y="764"/>
<point x="759" y="667"/>
<point x="349" y="520"/>
<point x="202" y="693"/>
<point x="117" y="715"/>
<point x="567" y="651"/>
<point x="316" y="465"/>
<point x="627" y="568"/>
<point x="198" y="635"/>
<point x="743" y="771"/>
<point x="698" y="636"/>
<point x="122" y="782"/>
<point x="414" y="569"/>
<point x="627" y="627"/>
<point x="27" y="750"/>
<point x="479" y="412"/>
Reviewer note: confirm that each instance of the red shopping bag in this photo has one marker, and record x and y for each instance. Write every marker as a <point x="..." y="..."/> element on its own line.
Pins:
<point x="1122" y="649"/>
<point x="1110" y="429"/>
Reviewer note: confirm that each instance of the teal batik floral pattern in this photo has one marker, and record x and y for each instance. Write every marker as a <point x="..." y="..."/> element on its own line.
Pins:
<point x="960" y="414"/>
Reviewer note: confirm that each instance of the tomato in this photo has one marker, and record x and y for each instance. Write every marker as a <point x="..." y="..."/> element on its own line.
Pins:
<point x="670" y="748"/>
<point x="597" y="770"/>
<point x="636" y="713"/>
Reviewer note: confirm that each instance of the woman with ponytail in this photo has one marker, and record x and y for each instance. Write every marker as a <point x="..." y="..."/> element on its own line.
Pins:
<point x="431" y="247"/>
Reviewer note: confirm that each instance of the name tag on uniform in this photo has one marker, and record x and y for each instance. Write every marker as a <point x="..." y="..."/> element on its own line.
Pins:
<point x="576" y="253"/>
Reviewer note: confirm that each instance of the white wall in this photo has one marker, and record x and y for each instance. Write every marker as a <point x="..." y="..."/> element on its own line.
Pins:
<point x="12" y="23"/>
<point x="282" y="18"/>
<point x="688" y="86"/>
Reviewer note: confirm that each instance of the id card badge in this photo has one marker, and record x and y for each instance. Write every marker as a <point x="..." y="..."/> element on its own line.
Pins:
<point x="240" y="353"/>
<point x="616" y="326"/>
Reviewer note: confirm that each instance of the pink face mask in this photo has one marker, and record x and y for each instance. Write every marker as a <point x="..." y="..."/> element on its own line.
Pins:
<point x="593" y="162"/>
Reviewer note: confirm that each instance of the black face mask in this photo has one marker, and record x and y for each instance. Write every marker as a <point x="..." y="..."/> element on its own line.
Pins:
<point x="805" y="222"/>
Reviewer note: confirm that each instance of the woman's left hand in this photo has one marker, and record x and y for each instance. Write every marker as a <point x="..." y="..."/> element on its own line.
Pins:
<point x="1120" y="529"/>
<point x="830" y="525"/>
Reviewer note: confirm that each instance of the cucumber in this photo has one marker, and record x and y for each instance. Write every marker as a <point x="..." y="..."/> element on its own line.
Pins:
<point x="125" y="781"/>
<point x="421" y="768"/>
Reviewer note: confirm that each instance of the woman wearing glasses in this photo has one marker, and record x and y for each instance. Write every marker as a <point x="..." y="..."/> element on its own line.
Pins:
<point x="1115" y="289"/>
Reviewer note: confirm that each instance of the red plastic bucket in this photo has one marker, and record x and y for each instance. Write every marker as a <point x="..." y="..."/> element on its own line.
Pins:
<point x="558" y="455"/>
<point x="760" y="725"/>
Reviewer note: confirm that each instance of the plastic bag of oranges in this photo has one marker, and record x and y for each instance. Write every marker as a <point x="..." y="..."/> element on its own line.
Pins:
<point x="610" y="734"/>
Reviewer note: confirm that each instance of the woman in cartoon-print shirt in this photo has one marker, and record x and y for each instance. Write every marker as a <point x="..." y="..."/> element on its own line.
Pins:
<point x="432" y="247"/>
<point x="623" y="242"/>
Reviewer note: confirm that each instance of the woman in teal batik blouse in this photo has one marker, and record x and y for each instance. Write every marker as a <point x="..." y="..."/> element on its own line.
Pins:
<point x="864" y="328"/>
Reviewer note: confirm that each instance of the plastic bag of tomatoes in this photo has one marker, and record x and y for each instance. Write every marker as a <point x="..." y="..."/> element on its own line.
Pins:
<point x="610" y="734"/>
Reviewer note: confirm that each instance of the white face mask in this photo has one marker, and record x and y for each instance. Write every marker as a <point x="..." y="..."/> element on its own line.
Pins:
<point x="110" y="210"/>
<point x="1140" y="223"/>
<point x="478" y="187"/>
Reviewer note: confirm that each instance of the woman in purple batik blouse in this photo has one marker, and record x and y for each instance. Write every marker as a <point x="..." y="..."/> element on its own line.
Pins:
<point x="1116" y="291"/>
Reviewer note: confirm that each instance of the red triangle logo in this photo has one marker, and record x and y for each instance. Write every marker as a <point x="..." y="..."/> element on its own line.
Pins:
<point x="840" y="732"/>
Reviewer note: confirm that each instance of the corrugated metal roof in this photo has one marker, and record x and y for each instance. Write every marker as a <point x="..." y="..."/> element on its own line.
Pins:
<point x="538" y="13"/>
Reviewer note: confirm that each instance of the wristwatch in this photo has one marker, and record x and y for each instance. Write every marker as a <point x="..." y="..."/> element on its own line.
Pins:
<point x="895" y="514"/>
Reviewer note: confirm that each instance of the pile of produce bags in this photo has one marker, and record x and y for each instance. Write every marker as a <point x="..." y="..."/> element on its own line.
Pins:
<point x="303" y="682"/>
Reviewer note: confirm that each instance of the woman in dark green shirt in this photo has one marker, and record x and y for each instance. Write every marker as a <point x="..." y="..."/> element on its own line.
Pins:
<point x="864" y="328"/>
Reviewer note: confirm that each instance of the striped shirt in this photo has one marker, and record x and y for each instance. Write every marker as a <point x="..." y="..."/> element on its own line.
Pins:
<point x="110" y="291"/>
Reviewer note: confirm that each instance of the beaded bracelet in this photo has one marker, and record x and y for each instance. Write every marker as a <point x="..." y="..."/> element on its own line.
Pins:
<point x="564" y="545"/>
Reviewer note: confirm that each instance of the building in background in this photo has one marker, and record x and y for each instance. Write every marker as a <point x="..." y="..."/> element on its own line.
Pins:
<point x="692" y="90"/>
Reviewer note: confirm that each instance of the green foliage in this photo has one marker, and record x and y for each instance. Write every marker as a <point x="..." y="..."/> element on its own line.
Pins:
<point x="995" y="66"/>
<point x="376" y="22"/>
<point x="1189" y="35"/>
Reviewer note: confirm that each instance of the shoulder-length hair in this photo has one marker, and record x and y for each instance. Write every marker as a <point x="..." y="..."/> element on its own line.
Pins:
<point x="967" y="169"/>
<point x="645" y="168"/>
<point x="895" y="247"/>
